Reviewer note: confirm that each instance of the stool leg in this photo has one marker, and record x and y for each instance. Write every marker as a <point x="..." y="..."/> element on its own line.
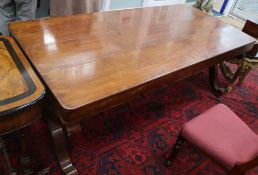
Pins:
<point x="235" y="171"/>
<point x="180" y="140"/>
<point x="4" y="150"/>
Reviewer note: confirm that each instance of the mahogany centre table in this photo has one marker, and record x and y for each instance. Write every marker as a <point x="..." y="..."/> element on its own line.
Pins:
<point x="93" y="62"/>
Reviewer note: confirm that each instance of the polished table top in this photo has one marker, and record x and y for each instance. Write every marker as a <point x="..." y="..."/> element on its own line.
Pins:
<point x="20" y="87"/>
<point x="89" y="57"/>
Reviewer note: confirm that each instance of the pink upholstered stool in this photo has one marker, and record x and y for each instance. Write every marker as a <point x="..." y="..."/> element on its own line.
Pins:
<point x="224" y="137"/>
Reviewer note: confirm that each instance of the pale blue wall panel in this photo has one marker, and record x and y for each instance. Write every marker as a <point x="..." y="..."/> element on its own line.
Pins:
<point x="120" y="4"/>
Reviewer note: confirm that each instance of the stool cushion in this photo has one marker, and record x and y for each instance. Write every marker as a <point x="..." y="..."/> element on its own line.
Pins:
<point x="222" y="135"/>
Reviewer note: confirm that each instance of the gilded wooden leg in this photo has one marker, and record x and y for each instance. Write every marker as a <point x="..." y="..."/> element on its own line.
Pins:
<point x="237" y="74"/>
<point x="226" y="71"/>
<point x="180" y="140"/>
<point x="247" y="66"/>
<point x="229" y="75"/>
<point x="60" y="146"/>
<point x="213" y="73"/>
<point x="5" y="152"/>
<point x="243" y="75"/>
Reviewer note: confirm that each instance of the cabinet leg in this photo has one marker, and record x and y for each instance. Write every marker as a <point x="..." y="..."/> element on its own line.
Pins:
<point x="24" y="158"/>
<point x="60" y="146"/>
<point x="5" y="152"/>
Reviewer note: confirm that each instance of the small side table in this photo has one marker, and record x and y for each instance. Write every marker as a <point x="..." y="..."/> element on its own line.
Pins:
<point x="21" y="94"/>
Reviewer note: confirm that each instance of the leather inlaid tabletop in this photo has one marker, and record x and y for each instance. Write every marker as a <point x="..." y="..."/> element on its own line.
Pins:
<point x="11" y="76"/>
<point x="20" y="86"/>
<point x="87" y="58"/>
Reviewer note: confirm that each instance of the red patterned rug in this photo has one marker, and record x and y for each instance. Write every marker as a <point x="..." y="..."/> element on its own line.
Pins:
<point x="136" y="138"/>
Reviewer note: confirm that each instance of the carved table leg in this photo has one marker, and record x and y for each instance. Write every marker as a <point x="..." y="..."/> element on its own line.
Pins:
<point x="4" y="150"/>
<point x="213" y="73"/>
<point x="180" y="140"/>
<point x="60" y="145"/>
